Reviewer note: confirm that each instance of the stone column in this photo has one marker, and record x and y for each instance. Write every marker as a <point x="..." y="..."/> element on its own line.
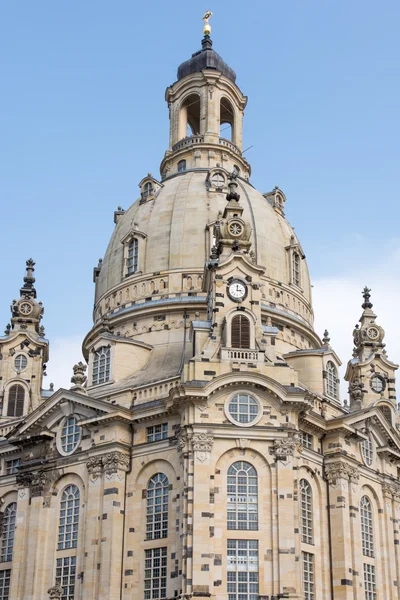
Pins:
<point x="396" y="539"/>
<point x="202" y="518"/>
<point x="356" y="550"/>
<point x="387" y="564"/>
<point x="338" y="474"/>
<point x="115" y="467"/>
<point x="91" y="555"/>
<point x="289" y="571"/>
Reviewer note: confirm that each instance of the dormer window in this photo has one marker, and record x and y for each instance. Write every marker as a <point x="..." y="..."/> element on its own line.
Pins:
<point x="181" y="166"/>
<point x="296" y="268"/>
<point x="332" y="381"/>
<point x="295" y="254"/>
<point x="147" y="190"/>
<point x="133" y="256"/>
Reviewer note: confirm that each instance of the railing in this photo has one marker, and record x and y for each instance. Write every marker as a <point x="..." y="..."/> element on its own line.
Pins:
<point x="229" y="145"/>
<point x="239" y="354"/>
<point x="188" y="141"/>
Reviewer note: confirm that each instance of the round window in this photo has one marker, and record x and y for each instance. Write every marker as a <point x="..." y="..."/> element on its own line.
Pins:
<point x="367" y="451"/>
<point x="69" y="435"/>
<point x="20" y="362"/>
<point x="243" y="409"/>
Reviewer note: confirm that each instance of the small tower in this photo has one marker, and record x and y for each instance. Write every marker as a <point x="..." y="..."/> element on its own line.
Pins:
<point x="371" y="375"/>
<point x="24" y="352"/>
<point x="206" y="114"/>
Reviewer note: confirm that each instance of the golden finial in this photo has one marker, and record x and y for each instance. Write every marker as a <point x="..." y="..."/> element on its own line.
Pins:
<point x="207" y="27"/>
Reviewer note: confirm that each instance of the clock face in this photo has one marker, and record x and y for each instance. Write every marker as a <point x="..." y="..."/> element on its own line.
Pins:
<point x="25" y="308"/>
<point x="377" y="384"/>
<point x="237" y="290"/>
<point x="373" y="333"/>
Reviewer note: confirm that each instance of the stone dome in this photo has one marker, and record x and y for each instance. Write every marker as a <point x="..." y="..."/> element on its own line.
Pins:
<point x="177" y="228"/>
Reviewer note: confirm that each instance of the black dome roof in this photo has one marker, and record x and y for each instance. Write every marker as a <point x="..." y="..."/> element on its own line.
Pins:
<point x="206" y="58"/>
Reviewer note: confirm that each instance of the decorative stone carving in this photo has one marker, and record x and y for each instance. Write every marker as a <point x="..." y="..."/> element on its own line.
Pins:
<point x="202" y="444"/>
<point x="55" y="591"/>
<point x="285" y="448"/>
<point x="356" y="393"/>
<point x="115" y="461"/>
<point x="341" y="470"/>
<point x="94" y="466"/>
<point x="243" y="442"/>
<point x="36" y="481"/>
<point x="79" y="376"/>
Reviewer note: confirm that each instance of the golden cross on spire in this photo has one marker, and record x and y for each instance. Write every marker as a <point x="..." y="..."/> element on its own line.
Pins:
<point x="207" y="27"/>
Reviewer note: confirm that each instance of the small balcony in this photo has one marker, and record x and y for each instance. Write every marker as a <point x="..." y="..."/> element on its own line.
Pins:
<point x="242" y="355"/>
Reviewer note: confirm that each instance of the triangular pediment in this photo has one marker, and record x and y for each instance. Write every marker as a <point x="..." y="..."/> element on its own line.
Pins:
<point x="60" y="404"/>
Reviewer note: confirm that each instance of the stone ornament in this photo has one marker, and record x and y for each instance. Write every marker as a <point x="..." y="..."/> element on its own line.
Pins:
<point x="243" y="442"/>
<point x="55" y="591"/>
<point x="341" y="470"/>
<point x="79" y="376"/>
<point x="284" y="448"/>
<point x="111" y="463"/>
<point x="202" y="444"/>
<point x="35" y="481"/>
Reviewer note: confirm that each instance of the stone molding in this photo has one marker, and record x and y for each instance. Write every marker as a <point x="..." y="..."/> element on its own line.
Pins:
<point x="202" y="442"/>
<point x="284" y="448"/>
<point x="341" y="470"/>
<point x="110" y="463"/>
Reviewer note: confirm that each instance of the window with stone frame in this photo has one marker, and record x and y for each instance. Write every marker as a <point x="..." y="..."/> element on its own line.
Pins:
<point x="148" y="190"/>
<point x="5" y="582"/>
<point x="369" y="582"/>
<point x="66" y="576"/>
<point x="101" y="365"/>
<point x="296" y="268"/>
<point x="181" y="166"/>
<point x="308" y="576"/>
<point x="69" y="518"/>
<point x="242" y="497"/>
<point x="134" y="244"/>
<point x="16" y="401"/>
<point x="157" y="507"/>
<point x="306" y="512"/>
<point x="242" y="569"/>
<point x="367" y="532"/>
<point x="132" y="259"/>
<point x="332" y="385"/>
<point x="7" y="536"/>
<point x="155" y="573"/>
<point x="155" y="433"/>
<point x="367" y="451"/>
<point x="307" y="440"/>
<point x="12" y="466"/>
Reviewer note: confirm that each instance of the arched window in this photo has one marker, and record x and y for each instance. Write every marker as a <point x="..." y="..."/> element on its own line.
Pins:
<point x="227" y="120"/>
<point x="306" y="512"/>
<point x="367" y="451"/>
<point x="367" y="534"/>
<point x="189" y="117"/>
<point x="296" y="268"/>
<point x="69" y="518"/>
<point x="240" y="332"/>
<point x="7" y="538"/>
<point x="332" y="380"/>
<point x="16" y="399"/>
<point x="181" y="166"/>
<point x="20" y="362"/>
<point x="101" y="365"/>
<point x="132" y="257"/>
<point x="157" y="507"/>
<point x="242" y="496"/>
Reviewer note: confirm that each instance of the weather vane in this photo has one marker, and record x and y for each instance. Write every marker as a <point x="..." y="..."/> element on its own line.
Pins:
<point x="207" y="27"/>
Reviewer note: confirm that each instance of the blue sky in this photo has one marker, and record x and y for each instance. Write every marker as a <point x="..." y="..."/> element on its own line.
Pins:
<point x="83" y="119"/>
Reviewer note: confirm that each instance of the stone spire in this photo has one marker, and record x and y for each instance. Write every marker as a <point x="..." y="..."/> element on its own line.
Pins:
<point x="368" y="336"/>
<point x="27" y="312"/>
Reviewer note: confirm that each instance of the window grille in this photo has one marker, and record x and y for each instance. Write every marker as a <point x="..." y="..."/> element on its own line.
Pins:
<point x="243" y="408"/>
<point x="101" y="366"/>
<point x="155" y="574"/>
<point x="12" y="466"/>
<point x="367" y="451"/>
<point x="65" y="576"/>
<point x="5" y="580"/>
<point x="308" y="576"/>
<point x="70" y="435"/>
<point x="367" y="533"/>
<point x="242" y="496"/>
<point x="306" y="440"/>
<point x="69" y="518"/>
<point x="133" y="257"/>
<point x="369" y="582"/>
<point x="181" y="166"/>
<point x="331" y="382"/>
<point x="20" y="362"/>
<point x="157" y="507"/>
<point x="157" y="432"/>
<point x="7" y="538"/>
<point x="242" y="567"/>
<point x="306" y="512"/>
<point x="147" y="190"/>
<point x="16" y="399"/>
<point x="296" y="268"/>
<point x="240" y="332"/>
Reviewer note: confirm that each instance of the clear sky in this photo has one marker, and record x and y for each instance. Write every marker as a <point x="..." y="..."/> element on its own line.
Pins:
<point x="83" y="119"/>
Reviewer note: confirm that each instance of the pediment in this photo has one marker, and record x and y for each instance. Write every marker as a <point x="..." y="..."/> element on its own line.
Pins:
<point x="61" y="404"/>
